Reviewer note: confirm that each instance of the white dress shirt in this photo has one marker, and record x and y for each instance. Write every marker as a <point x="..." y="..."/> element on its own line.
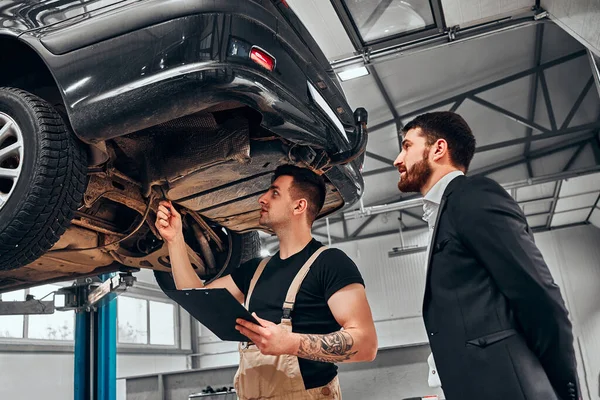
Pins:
<point x="431" y="206"/>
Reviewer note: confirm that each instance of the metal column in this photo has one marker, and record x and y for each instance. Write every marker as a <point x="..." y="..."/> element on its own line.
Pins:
<point x="96" y="350"/>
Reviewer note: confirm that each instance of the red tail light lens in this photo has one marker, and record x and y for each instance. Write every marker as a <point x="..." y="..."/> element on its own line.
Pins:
<point x="262" y="58"/>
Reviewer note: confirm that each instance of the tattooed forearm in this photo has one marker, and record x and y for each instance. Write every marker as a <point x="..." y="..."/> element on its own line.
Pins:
<point x="332" y="348"/>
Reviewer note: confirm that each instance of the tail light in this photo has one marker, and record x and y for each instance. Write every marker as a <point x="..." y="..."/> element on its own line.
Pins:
<point x="262" y="58"/>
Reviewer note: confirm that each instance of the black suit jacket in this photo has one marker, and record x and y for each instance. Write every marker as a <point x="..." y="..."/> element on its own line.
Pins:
<point x="496" y="321"/>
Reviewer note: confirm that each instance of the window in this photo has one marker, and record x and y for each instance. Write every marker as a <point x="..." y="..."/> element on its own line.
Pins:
<point x="11" y="326"/>
<point x="162" y="323"/>
<point x="142" y="321"/>
<point x="380" y="19"/>
<point x="57" y="326"/>
<point x="132" y="317"/>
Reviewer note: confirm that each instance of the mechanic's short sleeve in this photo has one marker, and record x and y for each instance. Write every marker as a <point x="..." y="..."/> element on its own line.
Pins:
<point x="336" y="270"/>
<point x="243" y="275"/>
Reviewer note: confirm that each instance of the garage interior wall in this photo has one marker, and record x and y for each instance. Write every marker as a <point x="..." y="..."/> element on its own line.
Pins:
<point x="394" y="287"/>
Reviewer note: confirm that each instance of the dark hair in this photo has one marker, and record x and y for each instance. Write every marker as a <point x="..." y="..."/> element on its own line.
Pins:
<point x="453" y="129"/>
<point x="305" y="184"/>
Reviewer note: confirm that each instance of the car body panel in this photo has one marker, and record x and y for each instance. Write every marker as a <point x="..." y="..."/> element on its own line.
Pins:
<point x="138" y="73"/>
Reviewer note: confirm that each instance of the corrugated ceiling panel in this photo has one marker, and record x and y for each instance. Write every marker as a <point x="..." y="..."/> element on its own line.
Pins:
<point x="580" y="184"/>
<point x="538" y="191"/>
<point x="536" y="208"/>
<point x="574" y="202"/>
<point x="570" y="217"/>
<point x="538" y="220"/>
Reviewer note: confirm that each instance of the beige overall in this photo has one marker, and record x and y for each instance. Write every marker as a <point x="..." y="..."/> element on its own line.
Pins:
<point x="278" y="377"/>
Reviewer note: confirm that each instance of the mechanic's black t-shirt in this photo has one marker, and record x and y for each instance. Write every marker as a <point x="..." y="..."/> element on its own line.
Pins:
<point x="331" y="271"/>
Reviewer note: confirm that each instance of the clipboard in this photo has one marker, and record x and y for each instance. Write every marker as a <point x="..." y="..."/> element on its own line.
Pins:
<point x="216" y="309"/>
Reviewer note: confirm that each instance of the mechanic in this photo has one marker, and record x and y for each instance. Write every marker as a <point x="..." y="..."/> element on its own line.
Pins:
<point x="321" y="290"/>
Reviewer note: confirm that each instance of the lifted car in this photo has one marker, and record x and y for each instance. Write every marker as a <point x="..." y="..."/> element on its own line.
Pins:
<point x="109" y="106"/>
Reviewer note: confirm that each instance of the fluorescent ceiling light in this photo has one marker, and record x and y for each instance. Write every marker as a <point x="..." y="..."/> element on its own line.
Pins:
<point x="353" y="73"/>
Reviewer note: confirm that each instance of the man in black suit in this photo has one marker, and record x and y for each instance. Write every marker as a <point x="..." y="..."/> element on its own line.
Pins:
<point x="497" y="324"/>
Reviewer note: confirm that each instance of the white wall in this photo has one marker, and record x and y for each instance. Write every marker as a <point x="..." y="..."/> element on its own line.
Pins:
<point x="573" y="256"/>
<point x="49" y="376"/>
<point x="36" y="376"/>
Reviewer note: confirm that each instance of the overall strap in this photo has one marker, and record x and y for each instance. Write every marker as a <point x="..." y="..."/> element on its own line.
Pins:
<point x="290" y="298"/>
<point x="257" y="273"/>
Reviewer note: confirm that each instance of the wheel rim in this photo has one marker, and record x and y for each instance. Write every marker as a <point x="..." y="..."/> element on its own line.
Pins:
<point x="11" y="156"/>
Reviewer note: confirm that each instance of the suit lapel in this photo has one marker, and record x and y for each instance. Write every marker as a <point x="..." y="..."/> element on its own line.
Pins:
<point x="456" y="182"/>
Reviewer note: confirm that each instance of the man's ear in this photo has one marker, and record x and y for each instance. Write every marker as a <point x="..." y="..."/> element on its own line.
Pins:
<point x="440" y="149"/>
<point x="300" y="206"/>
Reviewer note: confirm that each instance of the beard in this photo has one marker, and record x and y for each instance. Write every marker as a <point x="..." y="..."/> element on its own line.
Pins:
<point x="417" y="176"/>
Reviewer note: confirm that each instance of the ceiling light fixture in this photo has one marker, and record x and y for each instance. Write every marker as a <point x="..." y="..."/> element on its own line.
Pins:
<point x="353" y="73"/>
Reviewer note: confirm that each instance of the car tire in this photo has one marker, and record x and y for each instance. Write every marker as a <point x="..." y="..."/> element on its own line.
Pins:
<point x="42" y="181"/>
<point x="244" y="247"/>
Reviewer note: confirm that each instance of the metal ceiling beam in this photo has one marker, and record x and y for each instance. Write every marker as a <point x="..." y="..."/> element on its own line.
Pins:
<point x="577" y="103"/>
<point x="438" y="15"/>
<point x="415" y="216"/>
<point x="548" y="101"/>
<point x="543" y="152"/>
<point x="417" y="201"/>
<point x="574" y="157"/>
<point x="324" y="235"/>
<point x="363" y="226"/>
<point x="596" y="204"/>
<point x="457" y="104"/>
<point x="378" y="234"/>
<point x="323" y="222"/>
<point x="345" y="226"/>
<point x="480" y="89"/>
<point x="541" y="229"/>
<point x="379" y="158"/>
<point x="378" y="171"/>
<point x="542" y="136"/>
<point x="512" y="142"/>
<point x="509" y="114"/>
<point x="539" y="40"/>
<point x="554" y="201"/>
<point x="595" y="64"/>
<point x="596" y="147"/>
<point x="409" y="43"/>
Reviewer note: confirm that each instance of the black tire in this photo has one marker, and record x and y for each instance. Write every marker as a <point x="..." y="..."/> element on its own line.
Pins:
<point x="51" y="185"/>
<point x="244" y="247"/>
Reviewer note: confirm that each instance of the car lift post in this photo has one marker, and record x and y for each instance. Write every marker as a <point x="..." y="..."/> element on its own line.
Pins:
<point x="95" y="372"/>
